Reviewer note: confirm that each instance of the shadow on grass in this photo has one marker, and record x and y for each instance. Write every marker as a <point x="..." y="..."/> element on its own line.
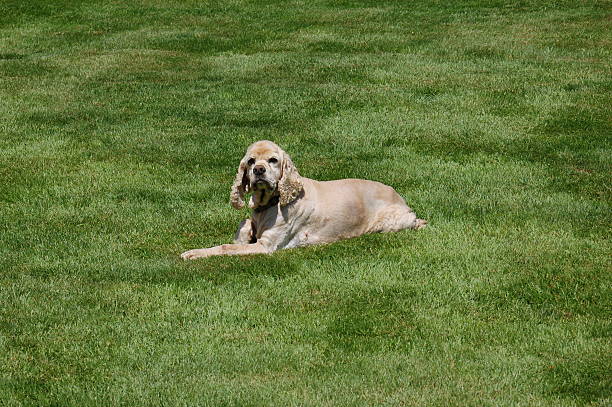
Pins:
<point x="374" y="320"/>
<point x="221" y="270"/>
<point x="587" y="380"/>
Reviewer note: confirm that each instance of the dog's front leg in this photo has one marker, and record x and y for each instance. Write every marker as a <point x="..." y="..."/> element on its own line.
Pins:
<point x="246" y="232"/>
<point x="226" y="249"/>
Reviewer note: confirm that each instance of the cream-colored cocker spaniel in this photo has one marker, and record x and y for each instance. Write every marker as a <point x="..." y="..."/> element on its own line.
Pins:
<point x="289" y="210"/>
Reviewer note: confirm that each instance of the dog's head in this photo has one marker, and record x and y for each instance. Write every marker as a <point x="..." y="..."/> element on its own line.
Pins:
<point x="267" y="171"/>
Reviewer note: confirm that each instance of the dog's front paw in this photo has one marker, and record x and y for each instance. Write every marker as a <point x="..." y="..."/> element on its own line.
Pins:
<point x="193" y="254"/>
<point x="420" y="224"/>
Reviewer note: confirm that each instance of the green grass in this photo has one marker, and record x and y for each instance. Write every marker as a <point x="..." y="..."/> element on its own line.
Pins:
<point x="122" y="124"/>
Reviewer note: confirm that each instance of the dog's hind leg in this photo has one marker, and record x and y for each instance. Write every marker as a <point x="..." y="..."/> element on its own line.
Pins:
<point x="394" y="218"/>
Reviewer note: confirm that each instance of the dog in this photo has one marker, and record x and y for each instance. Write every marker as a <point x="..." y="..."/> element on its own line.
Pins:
<point x="289" y="210"/>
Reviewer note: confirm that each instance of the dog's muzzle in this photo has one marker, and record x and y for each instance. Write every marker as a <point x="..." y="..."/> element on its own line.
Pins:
<point x="261" y="182"/>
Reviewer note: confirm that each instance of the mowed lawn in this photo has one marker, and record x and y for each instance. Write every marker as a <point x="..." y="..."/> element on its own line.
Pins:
<point x="121" y="127"/>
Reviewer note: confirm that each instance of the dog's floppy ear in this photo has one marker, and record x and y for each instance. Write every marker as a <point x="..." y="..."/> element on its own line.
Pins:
<point x="290" y="183"/>
<point x="241" y="185"/>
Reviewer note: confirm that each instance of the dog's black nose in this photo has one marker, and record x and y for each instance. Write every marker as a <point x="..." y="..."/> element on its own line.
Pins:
<point x="259" y="169"/>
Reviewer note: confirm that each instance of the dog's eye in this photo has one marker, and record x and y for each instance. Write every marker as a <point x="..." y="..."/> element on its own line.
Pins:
<point x="272" y="160"/>
<point x="251" y="161"/>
